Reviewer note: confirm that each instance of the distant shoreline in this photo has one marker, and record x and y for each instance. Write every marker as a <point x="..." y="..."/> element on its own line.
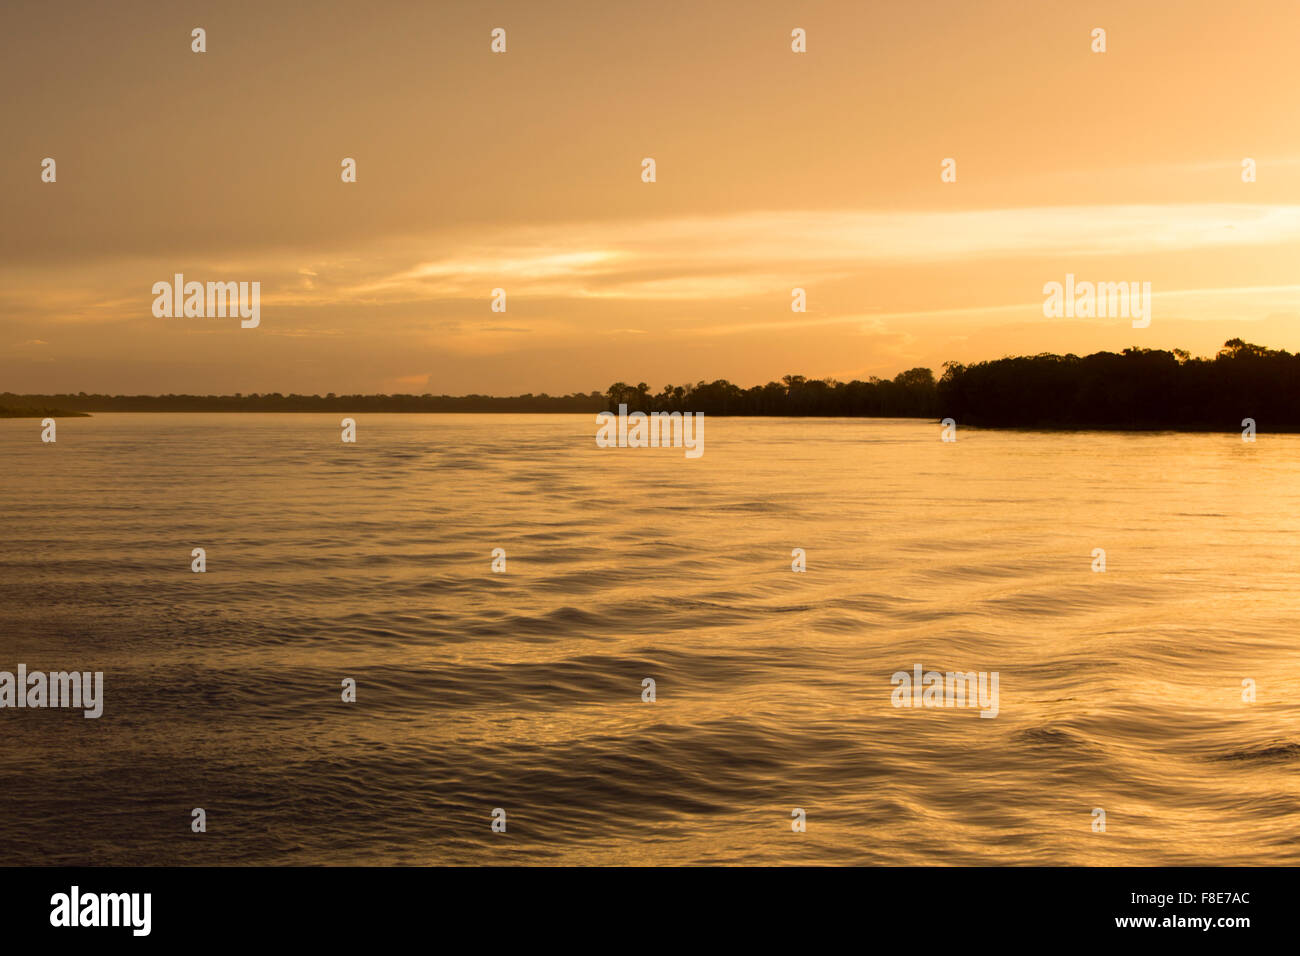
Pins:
<point x="1243" y="387"/>
<point x="40" y="413"/>
<point x="1202" y="429"/>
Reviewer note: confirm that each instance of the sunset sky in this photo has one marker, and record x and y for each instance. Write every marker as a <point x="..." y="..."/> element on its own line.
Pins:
<point x="522" y="171"/>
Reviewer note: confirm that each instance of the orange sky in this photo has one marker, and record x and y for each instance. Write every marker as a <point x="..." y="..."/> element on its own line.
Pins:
<point x="522" y="171"/>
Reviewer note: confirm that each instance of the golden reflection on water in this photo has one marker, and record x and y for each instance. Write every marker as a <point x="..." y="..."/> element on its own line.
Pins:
<point x="1119" y="691"/>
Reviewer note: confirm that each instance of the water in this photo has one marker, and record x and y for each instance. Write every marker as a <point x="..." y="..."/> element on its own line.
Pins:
<point x="1120" y="691"/>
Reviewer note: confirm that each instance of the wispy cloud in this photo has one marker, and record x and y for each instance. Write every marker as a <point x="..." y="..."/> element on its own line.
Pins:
<point x="704" y="259"/>
<point x="727" y="257"/>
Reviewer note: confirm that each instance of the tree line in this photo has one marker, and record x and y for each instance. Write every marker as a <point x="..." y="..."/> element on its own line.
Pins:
<point x="1132" y="389"/>
<point x="909" y="394"/>
<point x="1136" y="388"/>
<point x="276" y="402"/>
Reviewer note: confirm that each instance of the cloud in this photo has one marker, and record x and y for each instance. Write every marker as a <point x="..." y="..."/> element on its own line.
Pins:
<point x="710" y="260"/>
<point x="408" y="380"/>
<point x="759" y="253"/>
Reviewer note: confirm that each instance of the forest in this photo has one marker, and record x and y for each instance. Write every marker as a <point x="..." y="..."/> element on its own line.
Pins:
<point x="1133" y="389"/>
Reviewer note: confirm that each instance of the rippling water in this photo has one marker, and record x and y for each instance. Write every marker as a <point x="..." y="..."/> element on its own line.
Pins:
<point x="1120" y="691"/>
